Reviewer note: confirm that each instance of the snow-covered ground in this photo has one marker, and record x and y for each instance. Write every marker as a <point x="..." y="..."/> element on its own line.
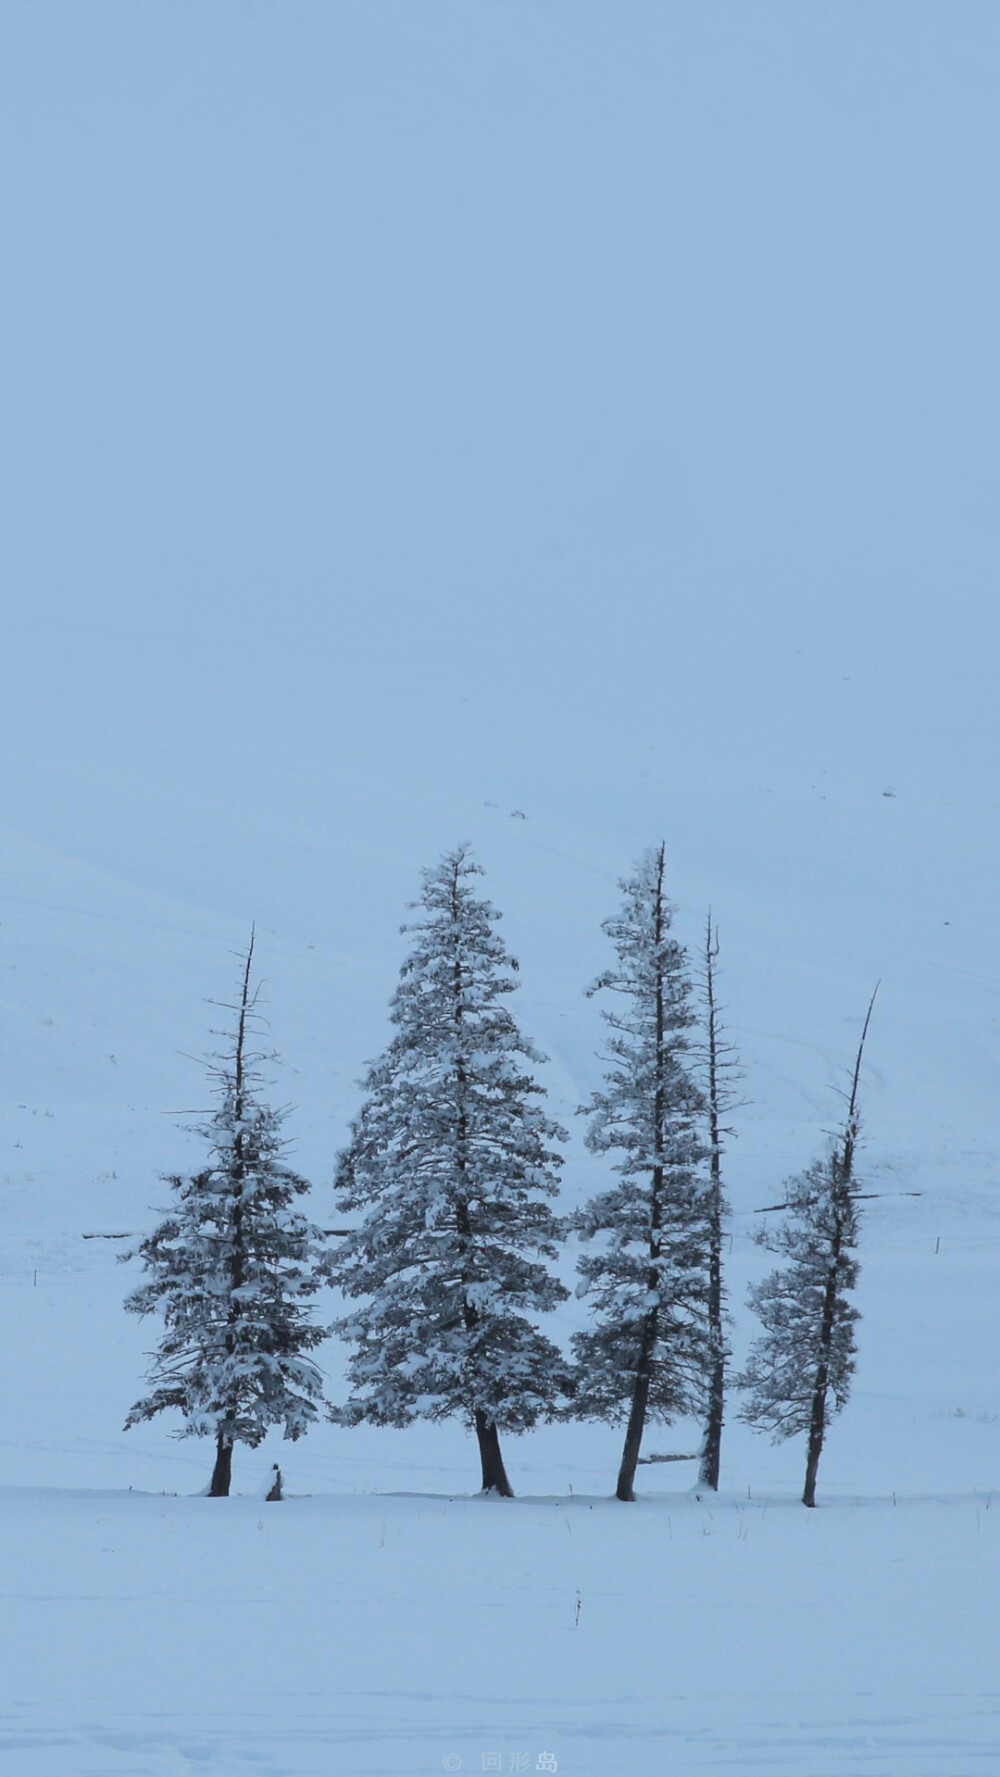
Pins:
<point x="407" y="1633"/>
<point x="557" y="426"/>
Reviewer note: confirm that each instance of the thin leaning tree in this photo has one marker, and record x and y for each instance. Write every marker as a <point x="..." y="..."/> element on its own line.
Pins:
<point x="451" y="1165"/>
<point x="645" y="1355"/>
<point x="232" y="1270"/>
<point x="722" y="1070"/>
<point x="799" y="1370"/>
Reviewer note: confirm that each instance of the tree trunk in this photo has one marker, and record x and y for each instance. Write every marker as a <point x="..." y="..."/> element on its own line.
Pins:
<point x="490" y="1456"/>
<point x="494" y="1474"/>
<point x="222" y="1474"/>
<point x="625" y="1489"/>
<point x="817" y="1429"/>
<point x="711" y="1454"/>
<point x="636" y="1417"/>
<point x="633" y="1440"/>
<point x="817" y="1417"/>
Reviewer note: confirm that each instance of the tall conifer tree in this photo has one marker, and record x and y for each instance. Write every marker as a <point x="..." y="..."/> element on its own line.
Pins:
<point x="451" y="1162"/>
<point x="646" y="1277"/>
<point x="232" y="1268"/>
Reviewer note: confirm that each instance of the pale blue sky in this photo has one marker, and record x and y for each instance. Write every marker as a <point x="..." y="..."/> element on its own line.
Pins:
<point x="409" y="401"/>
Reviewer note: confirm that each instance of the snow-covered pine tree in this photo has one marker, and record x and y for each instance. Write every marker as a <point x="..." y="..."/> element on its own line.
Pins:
<point x="799" y="1370"/>
<point x="450" y="1162"/>
<point x="721" y="1071"/>
<point x="231" y="1270"/>
<point x="646" y="1355"/>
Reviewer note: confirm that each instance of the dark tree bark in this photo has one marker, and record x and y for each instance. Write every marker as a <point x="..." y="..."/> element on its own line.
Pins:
<point x="817" y="1418"/>
<point x="711" y="1455"/>
<point x="625" y="1489"/>
<point x="222" y="1474"/>
<point x="494" y="1474"/>
<point x="817" y="1432"/>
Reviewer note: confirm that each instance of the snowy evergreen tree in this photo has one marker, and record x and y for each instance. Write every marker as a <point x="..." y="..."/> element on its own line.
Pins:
<point x="646" y="1277"/>
<point x="451" y="1162"/>
<point x="721" y="1068"/>
<point x="799" y="1370"/>
<point x="231" y="1270"/>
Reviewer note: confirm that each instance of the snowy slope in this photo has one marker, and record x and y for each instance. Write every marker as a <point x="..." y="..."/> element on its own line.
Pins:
<point x="557" y="427"/>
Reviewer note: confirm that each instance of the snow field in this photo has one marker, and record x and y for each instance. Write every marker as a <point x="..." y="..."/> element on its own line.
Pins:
<point x="355" y="1636"/>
